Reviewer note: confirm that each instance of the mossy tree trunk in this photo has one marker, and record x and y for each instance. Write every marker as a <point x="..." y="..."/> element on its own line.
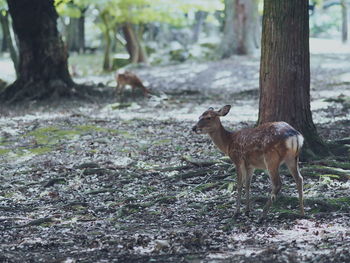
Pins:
<point x="43" y="68"/>
<point x="285" y="69"/>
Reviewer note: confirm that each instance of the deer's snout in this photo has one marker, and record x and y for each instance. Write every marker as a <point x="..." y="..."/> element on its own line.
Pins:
<point x="194" y="128"/>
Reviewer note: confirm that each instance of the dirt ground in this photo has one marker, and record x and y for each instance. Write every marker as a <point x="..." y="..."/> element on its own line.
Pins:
<point x="126" y="182"/>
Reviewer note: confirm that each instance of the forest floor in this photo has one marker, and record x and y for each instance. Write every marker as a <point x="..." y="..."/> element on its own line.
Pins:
<point x="126" y="180"/>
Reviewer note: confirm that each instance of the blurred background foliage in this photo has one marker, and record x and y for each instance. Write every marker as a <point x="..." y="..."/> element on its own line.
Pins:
<point x="106" y="35"/>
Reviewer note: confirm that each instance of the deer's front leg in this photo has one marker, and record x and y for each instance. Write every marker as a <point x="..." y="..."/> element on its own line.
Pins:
<point x="239" y="188"/>
<point x="248" y="179"/>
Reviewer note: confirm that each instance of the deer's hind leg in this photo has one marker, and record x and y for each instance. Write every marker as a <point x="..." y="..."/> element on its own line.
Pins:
<point x="292" y="164"/>
<point x="272" y="163"/>
<point x="248" y="180"/>
<point x="241" y="172"/>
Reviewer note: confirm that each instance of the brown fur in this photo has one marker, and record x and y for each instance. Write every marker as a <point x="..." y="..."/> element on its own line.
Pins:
<point x="266" y="147"/>
<point x="129" y="78"/>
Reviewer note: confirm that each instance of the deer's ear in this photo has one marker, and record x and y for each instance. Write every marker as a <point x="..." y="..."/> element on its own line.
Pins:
<point x="211" y="108"/>
<point x="224" y="110"/>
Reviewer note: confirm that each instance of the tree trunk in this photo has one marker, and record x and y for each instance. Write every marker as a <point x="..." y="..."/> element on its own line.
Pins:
<point x="226" y="48"/>
<point x="4" y="46"/>
<point x="200" y="17"/>
<point x="285" y="69"/>
<point x="142" y="50"/>
<point x="240" y="29"/>
<point x="245" y="20"/>
<point x="5" y="24"/>
<point x="134" y="47"/>
<point x="107" y="36"/>
<point x="81" y="31"/>
<point x="344" y="11"/>
<point x="43" y="68"/>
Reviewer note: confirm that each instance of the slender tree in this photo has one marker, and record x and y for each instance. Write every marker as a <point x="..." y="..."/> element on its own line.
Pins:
<point x="344" y="12"/>
<point x="285" y="68"/>
<point x="5" y="25"/>
<point x="43" y="69"/>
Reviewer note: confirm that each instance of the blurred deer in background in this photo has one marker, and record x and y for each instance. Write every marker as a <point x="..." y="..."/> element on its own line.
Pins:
<point x="129" y="78"/>
<point x="266" y="147"/>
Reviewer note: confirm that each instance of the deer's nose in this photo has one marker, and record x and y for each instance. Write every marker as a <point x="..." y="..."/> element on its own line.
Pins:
<point x="194" y="128"/>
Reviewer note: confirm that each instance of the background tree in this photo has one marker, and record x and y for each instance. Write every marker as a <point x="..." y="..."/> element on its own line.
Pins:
<point x="8" y="42"/>
<point x="344" y="11"/>
<point x="241" y="28"/>
<point x="43" y="70"/>
<point x="285" y="68"/>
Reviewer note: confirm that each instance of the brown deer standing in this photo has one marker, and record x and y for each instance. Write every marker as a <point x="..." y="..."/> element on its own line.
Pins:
<point x="129" y="78"/>
<point x="266" y="146"/>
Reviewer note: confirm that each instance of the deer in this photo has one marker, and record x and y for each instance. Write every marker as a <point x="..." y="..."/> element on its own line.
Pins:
<point x="129" y="78"/>
<point x="266" y="146"/>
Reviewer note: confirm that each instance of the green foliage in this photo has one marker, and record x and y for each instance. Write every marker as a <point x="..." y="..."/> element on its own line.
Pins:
<point x="139" y="11"/>
<point x="3" y="4"/>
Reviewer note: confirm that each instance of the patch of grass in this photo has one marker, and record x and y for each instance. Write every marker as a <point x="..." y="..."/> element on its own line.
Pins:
<point x="51" y="135"/>
<point x="4" y="151"/>
<point x="341" y="201"/>
<point x="40" y="150"/>
<point x="161" y="142"/>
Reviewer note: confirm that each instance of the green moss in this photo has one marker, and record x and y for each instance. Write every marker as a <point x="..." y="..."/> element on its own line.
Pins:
<point x="4" y="151"/>
<point x="161" y="142"/>
<point x="340" y="201"/>
<point x="40" y="150"/>
<point x="52" y="135"/>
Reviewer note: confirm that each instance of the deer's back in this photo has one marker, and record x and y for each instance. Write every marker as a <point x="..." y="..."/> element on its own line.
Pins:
<point x="253" y="143"/>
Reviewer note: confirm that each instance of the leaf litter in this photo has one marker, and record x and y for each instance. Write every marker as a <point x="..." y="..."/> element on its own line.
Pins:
<point x="101" y="182"/>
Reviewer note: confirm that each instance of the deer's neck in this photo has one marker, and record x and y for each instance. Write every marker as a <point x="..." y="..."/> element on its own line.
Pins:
<point x="221" y="139"/>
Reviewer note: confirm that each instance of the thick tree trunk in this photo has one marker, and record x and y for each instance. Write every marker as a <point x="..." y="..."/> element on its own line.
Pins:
<point x="285" y="68"/>
<point x="43" y="69"/>
<point x="344" y="11"/>
<point x="5" y="24"/>
<point x="240" y="30"/>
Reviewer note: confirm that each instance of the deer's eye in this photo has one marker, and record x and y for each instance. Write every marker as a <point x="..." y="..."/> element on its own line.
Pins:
<point x="209" y="118"/>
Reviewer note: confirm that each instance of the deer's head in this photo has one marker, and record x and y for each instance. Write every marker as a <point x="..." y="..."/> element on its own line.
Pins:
<point x="209" y="121"/>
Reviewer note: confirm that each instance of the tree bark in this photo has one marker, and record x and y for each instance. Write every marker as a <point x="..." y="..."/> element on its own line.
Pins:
<point x="43" y="68"/>
<point x="285" y="69"/>
<point x="5" y="24"/>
